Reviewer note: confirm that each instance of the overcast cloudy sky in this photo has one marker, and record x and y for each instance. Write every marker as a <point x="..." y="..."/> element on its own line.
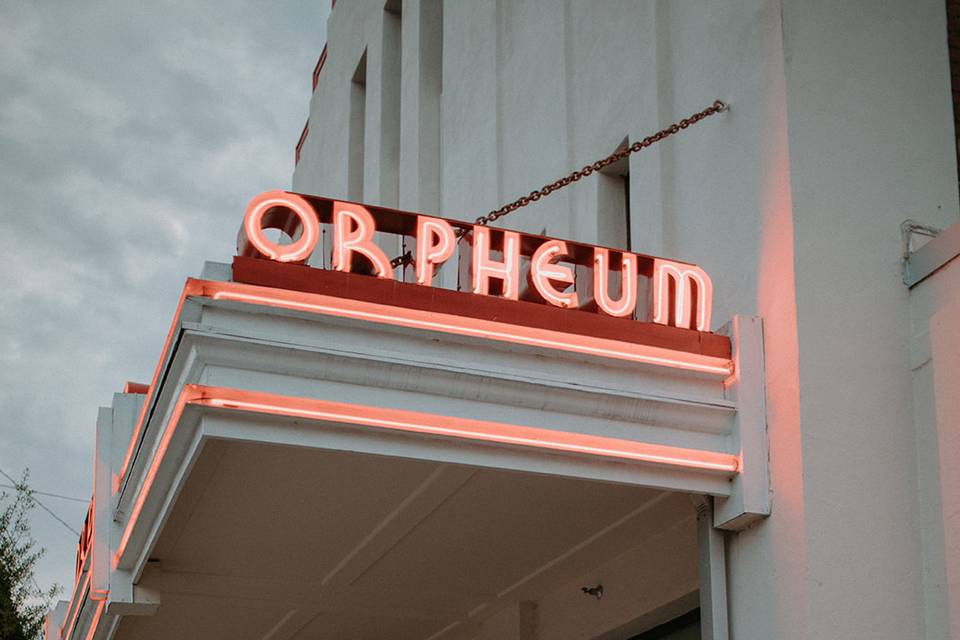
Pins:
<point x="132" y="135"/>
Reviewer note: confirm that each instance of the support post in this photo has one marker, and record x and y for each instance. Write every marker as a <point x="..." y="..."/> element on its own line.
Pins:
<point x="714" y="624"/>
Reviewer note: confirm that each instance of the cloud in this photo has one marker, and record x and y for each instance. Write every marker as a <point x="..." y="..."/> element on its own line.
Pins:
<point x="132" y="135"/>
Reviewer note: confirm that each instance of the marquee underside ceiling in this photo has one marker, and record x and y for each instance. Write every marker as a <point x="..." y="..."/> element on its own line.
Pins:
<point x="276" y="542"/>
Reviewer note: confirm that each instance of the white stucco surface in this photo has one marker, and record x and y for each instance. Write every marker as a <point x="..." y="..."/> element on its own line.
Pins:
<point x="839" y="129"/>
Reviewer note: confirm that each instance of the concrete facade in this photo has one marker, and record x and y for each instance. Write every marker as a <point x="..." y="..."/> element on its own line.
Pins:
<point x="933" y="360"/>
<point x="839" y="129"/>
<point x="327" y="454"/>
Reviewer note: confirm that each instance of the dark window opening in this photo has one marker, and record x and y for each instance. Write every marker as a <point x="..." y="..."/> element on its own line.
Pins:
<point x="686" y="627"/>
<point x="358" y="116"/>
<point x="626" y="205"/>
<point x="390" y="70"/>
<point x="953" y="46"/>
<point x="613" y="203"/>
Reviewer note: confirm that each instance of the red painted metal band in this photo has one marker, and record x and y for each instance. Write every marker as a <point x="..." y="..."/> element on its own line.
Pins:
<point x="267" y="273"/>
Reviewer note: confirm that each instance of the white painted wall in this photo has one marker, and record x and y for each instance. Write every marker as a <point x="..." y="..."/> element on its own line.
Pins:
<point x="840" y="128"/>
<point x="935" y="360"/>
<point x="868" y="125"/>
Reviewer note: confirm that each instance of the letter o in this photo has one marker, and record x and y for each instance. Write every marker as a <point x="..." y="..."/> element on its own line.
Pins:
<point x="287" y="212"/>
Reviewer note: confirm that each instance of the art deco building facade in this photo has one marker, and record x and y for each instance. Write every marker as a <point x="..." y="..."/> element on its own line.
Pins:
<point x="335" y="455"/>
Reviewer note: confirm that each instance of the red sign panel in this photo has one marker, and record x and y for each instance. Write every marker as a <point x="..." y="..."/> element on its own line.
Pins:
<point x="343" y="249"/>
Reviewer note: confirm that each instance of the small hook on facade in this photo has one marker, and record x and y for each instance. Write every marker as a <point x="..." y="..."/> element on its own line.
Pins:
<point x="596" y="592"/>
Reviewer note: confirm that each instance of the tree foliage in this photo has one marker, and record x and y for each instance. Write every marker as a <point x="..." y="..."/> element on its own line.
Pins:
<point x="22" y="603"/>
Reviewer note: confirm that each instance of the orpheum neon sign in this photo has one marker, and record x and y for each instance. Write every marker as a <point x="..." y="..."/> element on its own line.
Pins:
<point x="491" y="262"/>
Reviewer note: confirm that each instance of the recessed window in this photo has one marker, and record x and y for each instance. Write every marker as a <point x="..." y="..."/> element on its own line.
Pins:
<point x="358" y="116"/>
<point x="430" y="89"/>
<point x="613" y="203"/>
<point x="390" y="65"/>
<point x="953" y="44"/>
<point x="686" y="627"/>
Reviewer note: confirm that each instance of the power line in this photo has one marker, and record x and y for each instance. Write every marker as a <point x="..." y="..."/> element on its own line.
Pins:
<point x="39" y="504"/>
<point x="44" y="493"/>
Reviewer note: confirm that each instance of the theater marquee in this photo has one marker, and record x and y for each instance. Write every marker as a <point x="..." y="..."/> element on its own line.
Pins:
<point x="512" y="286"/>
<point x="481" y="349"/>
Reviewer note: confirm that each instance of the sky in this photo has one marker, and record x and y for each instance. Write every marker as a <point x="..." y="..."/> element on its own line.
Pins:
<point x="132" y="136"/>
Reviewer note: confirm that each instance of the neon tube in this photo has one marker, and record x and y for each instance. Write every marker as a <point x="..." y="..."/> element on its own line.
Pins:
<point x="543" y="269"/>
<point x="628" y="283"/>
<point x="67" y="627"/>
<point x="464" y="428"/>
<point x="483" y="268"/>
<point x="418" y="422"/>
<point x="191" y="288"/>
<point x="435" y="244"/>
<point x="298" y="251"/>
<point x="95" y="622"/>
<point x="683" y="277"/>
<point x="353" y="229"/>
<point x="317" y="303"/>
<point x="151" y="476"/>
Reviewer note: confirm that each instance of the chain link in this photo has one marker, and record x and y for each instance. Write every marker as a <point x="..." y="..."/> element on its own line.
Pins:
<point x="404" y="260"/>
<point x="649" y="141"/>
<point x="717" y="107"/>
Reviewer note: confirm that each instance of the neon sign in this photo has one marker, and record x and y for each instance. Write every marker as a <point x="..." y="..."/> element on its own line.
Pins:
<point x="498" y="262"/>
<point x="86" y="540"/>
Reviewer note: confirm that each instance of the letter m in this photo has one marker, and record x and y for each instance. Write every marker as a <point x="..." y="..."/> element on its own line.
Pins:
<point x="682" y="295"/>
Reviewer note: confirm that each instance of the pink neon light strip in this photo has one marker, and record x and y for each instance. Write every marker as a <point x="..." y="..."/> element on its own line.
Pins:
<point x="328" y="305"/>
<point x="431" y="424"/>
<point x="192" y="287"/>
<point x="67" y="629"/>
<point x="95" y="622"/>
<point x="466" y="428"/>
<point x="77" y="597"/>
<point x="69" y="623"/>
<point x="316" y="303"/>
<point x="151" y="473"/>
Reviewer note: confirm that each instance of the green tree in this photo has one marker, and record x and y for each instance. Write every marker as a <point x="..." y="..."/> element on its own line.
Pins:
<point x="22" y="603"/>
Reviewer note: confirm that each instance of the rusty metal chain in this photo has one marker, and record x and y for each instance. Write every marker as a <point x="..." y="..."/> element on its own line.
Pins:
<point x="546" y="190"/>
<point x="717" y="107"/>
<point x="404" y="260"/>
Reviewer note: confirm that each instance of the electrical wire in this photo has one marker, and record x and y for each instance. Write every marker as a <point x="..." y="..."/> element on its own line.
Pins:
<point x="18" y="487"/>
<point x="45" y="493"/>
